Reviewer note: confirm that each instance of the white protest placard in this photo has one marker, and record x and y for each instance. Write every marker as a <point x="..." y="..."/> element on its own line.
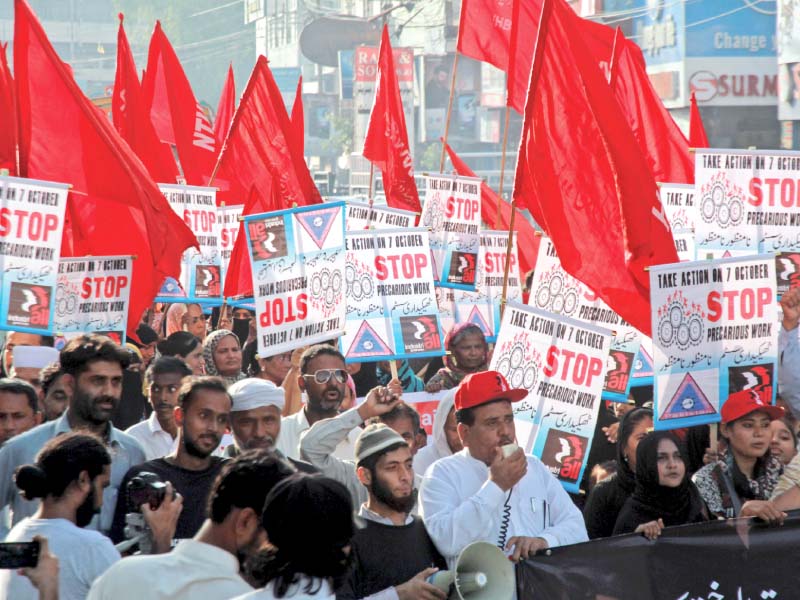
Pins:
<point x="715" y="332"/>
<point x="360" y="216"/>
<point x="31" y="227"/>
<point x="452" y="212"/>
<point x="298" y="260"/>
<point x="561" y="362"/>
<point x="685" y="244"/>
<point x="201" y="271"/>
<point x="679" y="206"/>
<point x="228" y="228"/>
<point x="747" y="202"/>
<point x="391" y="304"/>
<point x="482" y="307"/>
<point x="554" y="290"/>
<point x="446" y="301"/>
<point x="93" y="295"/>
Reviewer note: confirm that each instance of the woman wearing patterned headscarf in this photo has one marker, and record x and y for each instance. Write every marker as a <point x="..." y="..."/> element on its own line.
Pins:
<point x="223" y="356"/>
<point x="467" y="352"/>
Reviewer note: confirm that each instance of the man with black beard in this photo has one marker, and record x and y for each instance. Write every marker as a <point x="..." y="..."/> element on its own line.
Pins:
<point x="208" y="565"/>
<point x="69" y="476"/>
<point x="392" y="535"/>
<point x="201" y="415"/>
<point x="323" y="379"/>
<point x="93" y="366"/>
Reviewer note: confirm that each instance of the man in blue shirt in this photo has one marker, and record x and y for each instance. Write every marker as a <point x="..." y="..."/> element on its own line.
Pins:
<point x="93" y="366"/>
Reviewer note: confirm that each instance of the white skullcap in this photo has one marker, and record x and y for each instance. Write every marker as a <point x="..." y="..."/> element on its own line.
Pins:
<point x="33" y="357"/>
<point x="253" y="393"/>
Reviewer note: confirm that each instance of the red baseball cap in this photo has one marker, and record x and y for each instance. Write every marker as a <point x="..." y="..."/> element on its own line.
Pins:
<point x="745" y="402"/>
<point x="486" y="386"/>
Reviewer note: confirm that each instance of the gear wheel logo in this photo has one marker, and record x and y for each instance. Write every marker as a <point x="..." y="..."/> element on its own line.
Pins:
<point x="359" y="282"/>
<point x="67" y="301"/>
<point x="519" y="372"/>
<point x="434" y="214"/>
<point x="326" y="287"/>
<point x="680" y="322"/>
<point x="557" y="293"/>
<point x="722" y="202"/>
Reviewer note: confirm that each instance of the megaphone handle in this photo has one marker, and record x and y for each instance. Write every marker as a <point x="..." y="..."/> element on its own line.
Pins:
<point x="505" y="521"/>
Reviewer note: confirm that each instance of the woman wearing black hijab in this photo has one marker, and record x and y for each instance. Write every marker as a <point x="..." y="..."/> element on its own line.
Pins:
<point x="608" y="496"/>
<point x="664" y="495"/>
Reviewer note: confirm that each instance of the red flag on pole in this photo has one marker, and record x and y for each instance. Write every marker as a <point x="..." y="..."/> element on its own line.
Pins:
<point x="8" y="116"/>
<point x="659" y="137"/>
<point x="697" y="131"/>
<point x="297" y="119"/>
<point x="176" y="115"/>
<point x="577" y="150"/>
<point x="484" y="31"/>
<point x="259" y="150"/>
<point x="114" y="207"/>
<point x="225" y="109"/>
<point x="260" y="167"/>
<point x="132" y="119"/>
<point x="386" y="143"/>
<point x="527" y="240"/>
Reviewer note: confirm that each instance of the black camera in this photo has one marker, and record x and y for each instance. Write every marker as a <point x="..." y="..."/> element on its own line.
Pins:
<point x="145" y="488"/>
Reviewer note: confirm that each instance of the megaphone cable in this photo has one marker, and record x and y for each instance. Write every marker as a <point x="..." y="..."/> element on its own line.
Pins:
<point x="504" y="523"/>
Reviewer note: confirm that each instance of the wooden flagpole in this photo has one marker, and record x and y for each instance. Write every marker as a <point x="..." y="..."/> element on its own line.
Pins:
<point x="502" y="164"/>
<point x="508" y="257"/>
<point x="449" y="110"/>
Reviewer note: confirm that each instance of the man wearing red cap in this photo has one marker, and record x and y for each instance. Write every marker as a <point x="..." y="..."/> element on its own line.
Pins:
<point x="480" y="494"/>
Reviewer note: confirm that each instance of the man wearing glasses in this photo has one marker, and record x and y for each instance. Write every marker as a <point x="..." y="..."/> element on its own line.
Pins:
<point x="322" y="379"/>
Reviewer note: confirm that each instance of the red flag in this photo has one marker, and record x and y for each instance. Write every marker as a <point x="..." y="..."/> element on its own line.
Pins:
<point x="386" y="143"/>
<point x="225" y="109"/>
<point x="258" y="150"/>
<point x="577" y="151"/>
<point x="177" y="116"/>
<point x="527" y="240"/>
<point x="297" y="119"/>
<point x="259" y="167"/>
<point x="484" y="31"/>
<point x="697" y="132"/>
<point x="132" y="120"/>
<point x="524" y="25"/>
<point x="114" y="207"/>
<point x="660" y="139"/>
<point x="8" y="116"/>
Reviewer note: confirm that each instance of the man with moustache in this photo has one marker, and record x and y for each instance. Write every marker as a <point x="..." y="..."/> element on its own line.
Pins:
<point x="480" y="494"/>
<point x="323" y="379"/>
<point x="158" y="433"/>
<point x="201" y="415"/>
<point x="93" y="366"/>
<point x="256" y="418"/>
<point x="391" y="536"/>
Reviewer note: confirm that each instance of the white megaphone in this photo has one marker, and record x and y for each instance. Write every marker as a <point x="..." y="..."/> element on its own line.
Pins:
<point x="482" y="572"/>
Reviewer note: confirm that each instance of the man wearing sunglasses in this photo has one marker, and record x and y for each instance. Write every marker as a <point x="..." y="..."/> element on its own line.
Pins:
<point x="323" y="380"/>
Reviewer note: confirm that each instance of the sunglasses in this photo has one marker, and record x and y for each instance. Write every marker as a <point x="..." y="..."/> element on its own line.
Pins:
<point x="324" y="375"/>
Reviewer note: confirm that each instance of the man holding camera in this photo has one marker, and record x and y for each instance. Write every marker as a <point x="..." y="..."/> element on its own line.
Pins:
<point x="201" y="415"/>
<point x="206" y="566"/>
<point x="485" y="494"/>
<point x="93" y="367"/>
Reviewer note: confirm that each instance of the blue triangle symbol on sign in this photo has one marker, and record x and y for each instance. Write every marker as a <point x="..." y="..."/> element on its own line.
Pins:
<point x="645" y="364"/>
<point x="367" y="343"/>
<point x="318" y="223"/>
<point x="688" y="401"/>
<point x="476" y="317"/>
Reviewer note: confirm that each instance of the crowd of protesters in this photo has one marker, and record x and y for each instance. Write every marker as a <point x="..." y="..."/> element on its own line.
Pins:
<point x="274" y="481"/>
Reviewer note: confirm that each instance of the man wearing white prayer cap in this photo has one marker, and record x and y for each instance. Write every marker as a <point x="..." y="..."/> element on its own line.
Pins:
<point x="28" y="361"/>
<point x="256" y="418"/>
